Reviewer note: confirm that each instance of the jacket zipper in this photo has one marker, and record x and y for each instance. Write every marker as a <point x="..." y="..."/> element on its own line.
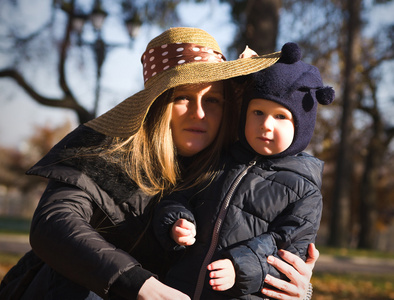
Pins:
<point x="216" y="231"/>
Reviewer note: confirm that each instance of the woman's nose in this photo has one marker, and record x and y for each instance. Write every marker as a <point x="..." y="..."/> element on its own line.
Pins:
<point x="198" y="110"/>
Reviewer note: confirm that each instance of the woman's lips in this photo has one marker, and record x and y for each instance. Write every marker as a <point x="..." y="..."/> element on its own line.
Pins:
<point x="195" y="130"/>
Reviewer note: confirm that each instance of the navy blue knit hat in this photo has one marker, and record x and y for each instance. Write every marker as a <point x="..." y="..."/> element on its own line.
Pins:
<point x="295" y="85"/>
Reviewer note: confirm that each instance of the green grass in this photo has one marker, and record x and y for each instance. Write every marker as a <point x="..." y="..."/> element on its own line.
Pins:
<point x="345" y="252"/>
<point x="326" y="286"/>
<point x="9" y="225"/>
<point x="14" y="225"/>
<point x="9" y="259"/>
<point x="353" y="286"/>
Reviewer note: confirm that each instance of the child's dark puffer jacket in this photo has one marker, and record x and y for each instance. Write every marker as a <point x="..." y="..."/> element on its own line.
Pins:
<point x="255" y="209"/>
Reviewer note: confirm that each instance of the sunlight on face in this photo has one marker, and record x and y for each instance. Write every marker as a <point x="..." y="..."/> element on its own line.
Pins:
<point x="196" y="116"/>
<point x="269" y="127"/>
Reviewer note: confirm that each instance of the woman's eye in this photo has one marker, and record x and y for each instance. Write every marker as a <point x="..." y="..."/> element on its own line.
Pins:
<point x="212" y="100"/>
<point x="180" y="98"/>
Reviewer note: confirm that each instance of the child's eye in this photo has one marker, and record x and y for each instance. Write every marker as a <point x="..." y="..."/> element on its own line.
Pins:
<point x="258" y="112"/>
<point x="281" y="117"/>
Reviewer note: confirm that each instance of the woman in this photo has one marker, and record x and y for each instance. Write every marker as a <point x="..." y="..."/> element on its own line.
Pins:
<point x="91" y="230"/>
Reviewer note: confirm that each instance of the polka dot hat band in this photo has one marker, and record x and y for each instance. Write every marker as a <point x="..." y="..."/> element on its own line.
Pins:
<point x="178" y="56"/>
<point x="167" y="56"/>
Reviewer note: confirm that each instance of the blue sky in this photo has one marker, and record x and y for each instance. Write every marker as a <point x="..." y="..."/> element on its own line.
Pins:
<point x="122" y="72"/>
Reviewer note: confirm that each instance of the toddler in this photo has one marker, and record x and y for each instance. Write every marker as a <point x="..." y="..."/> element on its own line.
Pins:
<point x="266" y="197"/>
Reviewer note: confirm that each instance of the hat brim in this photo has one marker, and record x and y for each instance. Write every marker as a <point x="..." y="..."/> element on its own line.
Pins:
<point x="126" y="118"/>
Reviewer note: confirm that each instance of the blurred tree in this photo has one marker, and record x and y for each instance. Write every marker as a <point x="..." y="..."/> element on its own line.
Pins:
<point x="41" y="41"/>
<point x="335" y="37"/>
<point x="379" y="134"/>
<point x="350" y="47"/>
<point x="22" y="42"/>
<point x="14" y="163"/>
<point x="363" y="57"/>
<point x="353" y="132"/>
<point x="257" y="23"/>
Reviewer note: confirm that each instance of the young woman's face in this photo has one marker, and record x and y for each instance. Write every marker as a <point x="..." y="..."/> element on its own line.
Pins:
<point x="196" y="116"/>
<point x="269" y="127"/>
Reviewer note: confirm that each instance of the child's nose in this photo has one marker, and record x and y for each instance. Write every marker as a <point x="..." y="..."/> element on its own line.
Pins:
<point x="268" y="123"/>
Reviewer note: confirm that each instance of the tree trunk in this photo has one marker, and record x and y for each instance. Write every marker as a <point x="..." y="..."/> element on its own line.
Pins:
<point x="377" y="149"/>
<point x="368" y="211"/>
<point x="340" y="209"/>
<point x="258" y="22"/>
<point x="262" y="22"/>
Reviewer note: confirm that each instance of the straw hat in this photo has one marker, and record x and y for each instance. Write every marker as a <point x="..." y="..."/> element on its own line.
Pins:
<point x="176" y="57"/>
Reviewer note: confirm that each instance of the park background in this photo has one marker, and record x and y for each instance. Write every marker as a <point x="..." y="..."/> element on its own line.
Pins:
<point x="55" y="75"/>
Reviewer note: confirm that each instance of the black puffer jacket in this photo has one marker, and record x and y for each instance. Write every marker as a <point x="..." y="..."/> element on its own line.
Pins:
<point x="248" y="212"/>
<point x="86" y="226"/>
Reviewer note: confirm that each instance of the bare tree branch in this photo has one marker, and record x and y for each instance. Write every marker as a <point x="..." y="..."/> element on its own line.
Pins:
<point x="63" y="56"/>
<point x="67" y="102"/>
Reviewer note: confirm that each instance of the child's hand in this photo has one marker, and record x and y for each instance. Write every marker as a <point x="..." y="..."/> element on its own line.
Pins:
<point x="222" y="274"/>
<point x="183" y="232"/>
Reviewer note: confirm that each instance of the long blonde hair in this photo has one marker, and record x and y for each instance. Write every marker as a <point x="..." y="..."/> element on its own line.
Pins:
<point x="149" y="157"/>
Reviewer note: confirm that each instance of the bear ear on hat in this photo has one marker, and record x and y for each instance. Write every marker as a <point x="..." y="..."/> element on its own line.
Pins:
<point x="291" y="53"/>
<point x="325" y="95"/>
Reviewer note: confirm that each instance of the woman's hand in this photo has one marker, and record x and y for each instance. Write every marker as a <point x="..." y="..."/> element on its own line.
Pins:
<point x="153" y="289"/>
<point x="298" y="271"/>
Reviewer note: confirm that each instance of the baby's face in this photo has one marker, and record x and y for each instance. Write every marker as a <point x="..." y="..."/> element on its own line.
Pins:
<point x="269" y="127"/>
